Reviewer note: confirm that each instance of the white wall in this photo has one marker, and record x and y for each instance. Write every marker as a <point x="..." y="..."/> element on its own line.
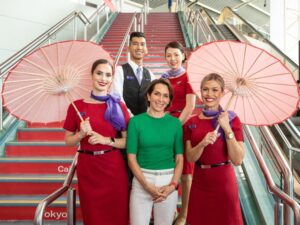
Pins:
<point x="21" y="21"/>
<point x="285" y="26"/>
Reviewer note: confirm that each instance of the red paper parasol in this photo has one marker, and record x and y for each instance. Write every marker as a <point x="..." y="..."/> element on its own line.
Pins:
<point x="40" y="87"/>
<point x="264" y="91"/>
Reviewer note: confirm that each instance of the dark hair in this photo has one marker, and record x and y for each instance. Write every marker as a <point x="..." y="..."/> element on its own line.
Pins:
<point x="136" y="34"/>
<point x="176" y="44"/>
<point x="216" y="77"/>
<point x="101" y="61"/>
<point x="152" y="85"/>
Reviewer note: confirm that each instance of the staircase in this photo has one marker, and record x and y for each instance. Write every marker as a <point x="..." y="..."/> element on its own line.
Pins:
<point x="161" y="29"/>
<point x="35" y="164"/>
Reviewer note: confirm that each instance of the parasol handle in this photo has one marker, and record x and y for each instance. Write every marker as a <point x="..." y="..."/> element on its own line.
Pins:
<point x="74" y="106"/>
<point x="226" y="108"/>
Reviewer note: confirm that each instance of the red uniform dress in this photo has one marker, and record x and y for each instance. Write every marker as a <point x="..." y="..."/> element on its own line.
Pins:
<point x="214" y="198"/>
<point x="102" y="179"/>
<point x="181" y="87"/>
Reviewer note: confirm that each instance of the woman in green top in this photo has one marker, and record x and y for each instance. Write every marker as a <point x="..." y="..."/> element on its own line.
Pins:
<point x="155" y="148"/>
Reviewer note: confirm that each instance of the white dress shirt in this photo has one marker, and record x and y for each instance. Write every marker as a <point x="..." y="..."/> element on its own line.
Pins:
<point x="118" y="81"/>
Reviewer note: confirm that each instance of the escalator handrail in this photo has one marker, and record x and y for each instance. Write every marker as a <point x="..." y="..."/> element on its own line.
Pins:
<point x="261" y="36"/>
<point x="286" y="141"/>
<point x="269" y="180"/>
<point x="207" y="26"/>
<point x="202" y="9"/>
<point x="285" y="166"/>
<point x="195" y="19"/>
<point x="293" y="130"/>
<point x="236" y="33"/>
<point x="288" y="123"/>
<point x="287" y="174"/>
<point x="192" y="4"/>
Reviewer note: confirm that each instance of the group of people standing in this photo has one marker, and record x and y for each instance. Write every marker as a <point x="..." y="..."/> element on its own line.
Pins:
<point x="151" y="119"/>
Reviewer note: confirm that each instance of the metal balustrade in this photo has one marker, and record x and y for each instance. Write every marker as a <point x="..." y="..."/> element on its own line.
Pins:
<point x="66" y="187"/>
<point x="199" y="20"/>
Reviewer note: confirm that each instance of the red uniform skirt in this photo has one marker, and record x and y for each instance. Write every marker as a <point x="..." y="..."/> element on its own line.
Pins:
<point x="214" y="198"/>
<point x="103" y="189"/>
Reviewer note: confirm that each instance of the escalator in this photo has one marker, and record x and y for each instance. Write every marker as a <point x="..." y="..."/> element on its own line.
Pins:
<point x="221" y="31"/>
<point x="290" y="146"/>
<point x="257" y="202"/>
<point x="226" y="32"/>
<point x="254" y="201"/>
<point x="245" y="32"/>
<point x="249" y="34"/>
<point x="268" y="200"/>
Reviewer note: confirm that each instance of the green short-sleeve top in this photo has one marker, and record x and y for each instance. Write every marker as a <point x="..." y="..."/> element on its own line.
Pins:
<point x="155" y="141"/>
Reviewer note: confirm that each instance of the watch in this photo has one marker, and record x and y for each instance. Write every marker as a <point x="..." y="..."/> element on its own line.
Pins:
<point x="230" y="135"/>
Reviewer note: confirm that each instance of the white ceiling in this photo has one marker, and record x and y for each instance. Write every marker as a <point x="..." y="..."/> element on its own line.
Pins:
<point x="256" y="12"/>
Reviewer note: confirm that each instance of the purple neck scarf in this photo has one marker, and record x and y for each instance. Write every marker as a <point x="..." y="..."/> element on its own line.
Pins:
<point x="113" y="114"/>
<point x="173" y="73"/>
<point x="215" y="114"/>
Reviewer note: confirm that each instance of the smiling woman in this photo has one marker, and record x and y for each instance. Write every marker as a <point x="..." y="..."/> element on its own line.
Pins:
<point x="155" y="148"/>
<point x="182" y="107"/>
<point x="102" y="77"/>
<point x="101" y="171"/>
<point x="214" y="188"/>
<point x="159" y="97"/>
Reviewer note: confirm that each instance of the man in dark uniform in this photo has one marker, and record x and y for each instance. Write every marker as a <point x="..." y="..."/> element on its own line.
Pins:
<point x="131" y="79"/>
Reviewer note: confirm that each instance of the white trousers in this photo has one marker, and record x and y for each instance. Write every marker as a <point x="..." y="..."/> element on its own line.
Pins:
<point x="141" y="202"/>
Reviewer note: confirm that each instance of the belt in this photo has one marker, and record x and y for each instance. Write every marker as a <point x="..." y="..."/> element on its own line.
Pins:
<point x="202" y="166"/>
<point x="158" y="173"/>
<point x="175" y="111"/>
<point x="101" y="152"/>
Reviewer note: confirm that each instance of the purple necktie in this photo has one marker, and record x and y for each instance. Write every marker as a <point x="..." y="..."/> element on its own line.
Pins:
<point x="139" y="75"/>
